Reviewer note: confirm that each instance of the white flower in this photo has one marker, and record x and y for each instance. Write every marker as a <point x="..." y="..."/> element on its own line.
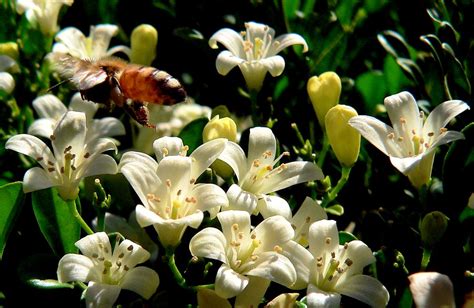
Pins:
<point x="7" y="83"/>
<point x="108" y="271"/>
<point x="71" y="159"/>
<point x="411" y="142"/>
<point x="309" y="212"/>
<point x="257" y="176"/>
<point x="50" y="110"/>
<point x="431" y="289"/>
<point x="43" y="12"/>
<point x="170" y="120"/>
<point x="337" y="269"/>
<point x="72" y="41"/>
<point x="167" y="189"/>
<point x="251" y="258"/>
<point x="254" y="51"/>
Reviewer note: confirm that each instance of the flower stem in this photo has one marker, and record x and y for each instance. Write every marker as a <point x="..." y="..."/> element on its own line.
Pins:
<point x="335" y="190"/>
<point x="178" y="277"/>
<point x="324" y="151"/>
<point x="73" y="208"/>
<point x="425" y="260"/>
<point x="254" y="108"/>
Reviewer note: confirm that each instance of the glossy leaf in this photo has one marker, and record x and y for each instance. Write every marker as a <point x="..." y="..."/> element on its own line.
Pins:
<point x="11" y="196"/>
<point x="372" y="87"/>
<point x="56" y="222"/>
<point x="192" y="134"/>
<point x="345" y="237"/>
<point x="39" y="271"/>
<point x="337" y="210"/>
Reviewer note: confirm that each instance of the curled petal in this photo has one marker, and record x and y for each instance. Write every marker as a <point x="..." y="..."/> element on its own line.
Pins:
<point x="74" y="267"/>
<point x="209" y="196"/>
<point x="404" y="165"/>
<point x="205" y="155"/>
<point x="49" y="106"/>
<point x="209" y="243"/>
<point x="70" y="132"/>
<point x="102" y="164"/>
<point x="230" y="39"/>
<point x="300" y="257"/>
<point x="241" y="200"/>
<point x="141" y="280"/>
<point x="101" y="36"/>
<point x="167" y="146"/>
<point x="31" y="146"/>
<point x="146" y="218"/>
<point x="309" y="212"/>
<point x="262" y="146"/>
<point x="91" y="243"/>
<point x="316" y="298"/>
<point x="273" y="205"/>
<point x="134" y="253"/>
<point x="36" y="179"/>
<point x="287" y="40"/>
<point x="229" y="283"/>
<point x="360" y="254"/>
<point x="71" y="40"/>
<point x="7" y="83"/>
<point x="272" y="266"/>
<point x="42" y="127"/>
<point x="234" y="156"/>
<point x="229" y="219"/>
<point x="275" y="230"/>
<point x="252" y="295"/>
<point x="366" y="289"/>
<point x="82" y="105"/>
<point x="275" y="65"/>
<point x="101" y="295"/>
<point x="431" y="289"/>
<point x="403" y="112"/>
<point x="443" y="114"/>
<point x="226" y="61"/>
<point x="446" y="137"/>
<point x="323" y="236"/>
<point x="105" y="127"/>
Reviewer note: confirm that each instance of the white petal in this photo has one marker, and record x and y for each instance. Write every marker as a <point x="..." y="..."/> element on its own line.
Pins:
<point x="319" y="232"/>
<point x="431" y="289"/>
<point x="287" y="40"/>
<point x="141" y="280"/>
<point x="234" y="156"/>
<point x="100" y="145"/>
<point x="31" y="146"/>
<point x="89" y="245"/>
<point x="293" y="173"/>
<point x="309" y="212"/>
<point x="404" y="165"/>
<point x="120" y="48"/>
<point x="241" y="200"/>
<point x="273" y="205"/>
<point x="230" y="218"/>
<point x="273" y="231"/>
<point x="36" y="179"/>
<point x="209" y="196"/>
<point x="209" y="243"/>
<point x="366" y="289"/>
<point x="102" y="164"/>
<point x="74" y="40"/>
<point x="230" y="39"/>
<point x="301" y="259"/>
<point x="133" y="253"/>
<point x="101" y="36"/>
<point x="7" y="83"/>
<point x="79" y="104"/>
<point x="146" y="218"/>
<point x="167" y="146"/>
<point x="207" y="298"/>
<point x="42" y="127"/>
<point x="273" y="266"/>
<point x="49" y="106"/>
<point x="376" y="132"/>
<point x="253" y="293"/>
<point x="7" y="63"/>
<point x="205" y="155"/>
<point x="446" y="137"/>
<point x="261" y="143"/>
<point x="275" y="65"/>
<point x="442" y="115"/>
<point x="360" y="254"/>
<point x="170" y="232"/>
<point x="317" y="298"/>
<point x="105" y="127"/>
<point x="226" y="61"/>
<point x="176" y="172"/>
<point x="74" y="267"/>
<point x="101" y="295"/>
<point x="229" y="283"/>
<point x="70" y="132"/>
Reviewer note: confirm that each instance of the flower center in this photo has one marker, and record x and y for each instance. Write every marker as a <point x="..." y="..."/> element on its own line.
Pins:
<point x="239" y="253"/>
<point x="331" y="266"/>
<point x="301" y="232"/>
<point x="258" y="173"/>
<point x="113" y="269"/>
<point x="256" y="48"/>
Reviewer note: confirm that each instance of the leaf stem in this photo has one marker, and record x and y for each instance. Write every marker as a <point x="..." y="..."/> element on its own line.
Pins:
<point x="335" y="190"/>
<point x="73" y="208"/>
<point x="425" y="260"/>
<point x="178" y="277"/>
<point x="324" y="151"/>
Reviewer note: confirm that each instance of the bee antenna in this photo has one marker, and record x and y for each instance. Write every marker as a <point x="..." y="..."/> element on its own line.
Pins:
<point x="58" y="84"/>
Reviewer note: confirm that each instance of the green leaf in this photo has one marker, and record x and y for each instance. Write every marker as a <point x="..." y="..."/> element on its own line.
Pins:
<point x="336" y="209"/>
<point x="395" y="79"/>
<point x="11" y="196"/>
<point x="346" y="237"/>
<point x="55" y="220"/>
<point x="406" y="300"/>
<point x="466" y="214"/>
<point x="39" y="269"/>
<point x="191" y="134"/>
<point x="394" y="44"/>
<point x="372" y="87"/>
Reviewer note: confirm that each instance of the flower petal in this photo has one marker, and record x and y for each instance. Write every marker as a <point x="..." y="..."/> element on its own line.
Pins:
<point x="262" y="146"/>
<point x="229" y="219"/>
<point x="209" y="196"/>
<point x="207" y="298"/>
<point x="42" y="127"/>
<point x="49" y="106"/>
<point x="72" y="40"/>
<point x="101" y="295"/>
<point x="100" y="145"/>
<point x="319" y="233"/>
<point x="141" y="280"/>
<point x="376" y="132"/>
<point x="293" y="173"/>
<point x="167" y="146"/>
<point x="309" y="212"/>
<point x="70" y="132"/>
<point x="89" y="245"/>
<point x="316" y="298"/>
<point x="205" y="155"/>
<point x="287" y="40"/>
<point x="37" y="179"/>
<point x="366" y="289"/>
<point x="442" y="115"/>
<point x="176" y="172"/>
<point x="133" y="253"/>
<point x="101" y="36"/>
<point x="241" y="200"/>
<point x="234" y="156"/>
<point x="431" y="289"/>
<point x="102" y="164"/>
<point x="209" y="243"/>
<point x="404" y="165"/>
<point x="7" y="83"/>
<point x="74" y="267"/>
<point x="361" y="256"/>
<point x="252" y="295"/>
<point x="88" y="107"/>
<point x="105" y="127"/>
<point x="300" y="257"/>
<point x="31" y="146"/>
<point x="229" y="283"/>
<point x="272" y="266"/>
<point x="275" y="230"/>
<point x="273" y="205"/>
<point x="146" y="217"/>
<point x="226" y="61"/>
<point x="230" y="39"/>
<point x="275" y="65"/>
<point x="446" y="137"/>
<point x="6" y="63"/>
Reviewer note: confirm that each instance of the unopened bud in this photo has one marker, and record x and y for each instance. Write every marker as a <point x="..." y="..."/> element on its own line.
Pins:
<point x="324" y="92"/>
<point x="10" y="49"/>
<point x="344" y="139"/>
<point x="432" y="228"/>
<point x="143" y="42"/>
<point x="220" y="128"/>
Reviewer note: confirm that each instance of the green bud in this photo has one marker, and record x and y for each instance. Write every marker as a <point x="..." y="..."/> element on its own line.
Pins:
<point x="143" y="42"/>
<point x="324" y="92"/>
<point x="432" y="228"/>
<point x="10" y="49"/>
<point x="344" y="139"/>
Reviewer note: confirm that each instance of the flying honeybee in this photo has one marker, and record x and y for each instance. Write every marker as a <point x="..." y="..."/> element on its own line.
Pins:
<point x="113" y="82"/>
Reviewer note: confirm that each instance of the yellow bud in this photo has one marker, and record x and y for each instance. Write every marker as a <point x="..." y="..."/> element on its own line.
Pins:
<point x="324" y="92"/>
<point x="344" y="139"/>
<point x="10" y="49"/>
<point x="432" y="228"/>
<point x="220" y="128"/>
<point x="143" y="42"/>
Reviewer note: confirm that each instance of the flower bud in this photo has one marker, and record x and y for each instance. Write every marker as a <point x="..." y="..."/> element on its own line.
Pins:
<point x="220" y="128"/>
<point x="432" y="228"/>
<point x="10" y="49"/>
<point x="143" y="42"/>
<point x="344" y="139"/>
<point x="324" y="92"/>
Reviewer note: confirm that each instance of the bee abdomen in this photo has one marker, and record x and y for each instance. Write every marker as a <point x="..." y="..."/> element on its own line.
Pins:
<point x="148" y="84"/>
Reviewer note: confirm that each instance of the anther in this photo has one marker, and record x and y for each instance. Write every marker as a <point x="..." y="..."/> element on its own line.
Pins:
<point x="403" y="120"/>
<point x="328" y="240"/>
<point x="277" y="249"/>
<point x="130" y="248"/>
<point x="125" y="268"/>
<point x="348" y="262"/>
<point x="121" y="255"/>
<point x="192" y="181"/>
<point x="39" y="158"/>
<point x="443" y="130"/>
<point x="67" y="149"/>
<point x="62" y="169"/>
<point x="430" y="134"/>
<point x="253" y="236"/>
<point x="333" y="255"/>
<point x="51" y="169"/>
<point x="50" y="163"/>
<point x="400" y="139"/>
<point x="52" y="137"/>
<point x="87" y="155"/>
<point x="391" y="136"/>
<point x="95" y="256"/>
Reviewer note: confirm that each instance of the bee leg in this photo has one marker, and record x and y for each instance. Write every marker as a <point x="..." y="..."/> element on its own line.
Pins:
<point x="139" y="112"/>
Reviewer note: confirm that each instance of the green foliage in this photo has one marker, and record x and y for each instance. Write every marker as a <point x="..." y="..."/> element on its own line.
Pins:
<point x="12" y="201"/>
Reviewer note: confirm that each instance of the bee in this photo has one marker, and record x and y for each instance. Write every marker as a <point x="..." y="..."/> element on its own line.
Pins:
<point x="115" y="83"/>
